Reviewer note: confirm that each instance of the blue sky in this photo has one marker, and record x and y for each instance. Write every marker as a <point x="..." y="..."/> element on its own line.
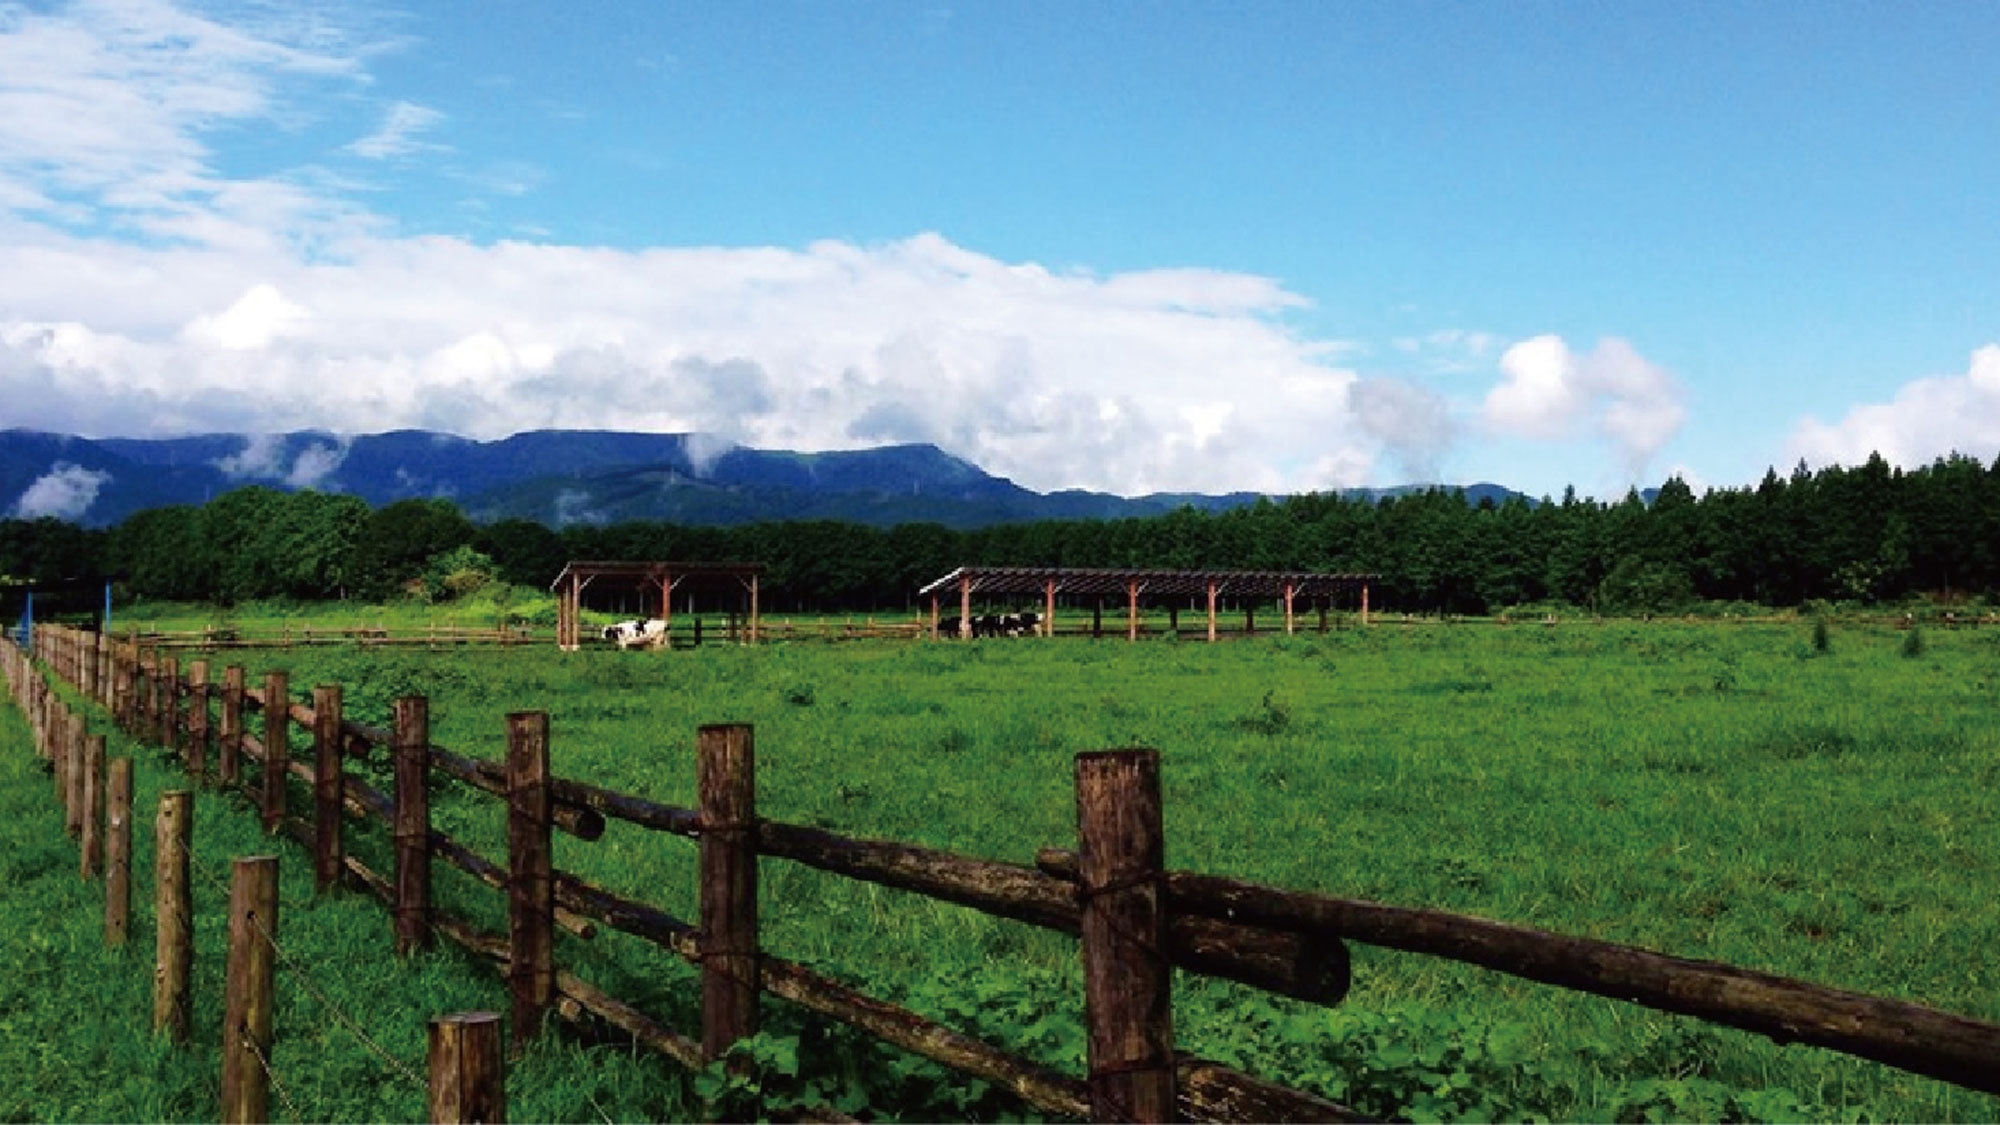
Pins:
<point x="1129" y="247"/>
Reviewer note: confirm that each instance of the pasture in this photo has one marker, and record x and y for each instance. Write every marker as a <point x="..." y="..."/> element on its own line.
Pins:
<point x="1722" y="792"/>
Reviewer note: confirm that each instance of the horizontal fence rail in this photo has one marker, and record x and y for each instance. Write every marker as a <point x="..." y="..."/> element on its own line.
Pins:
<point x="1286" y="942"/>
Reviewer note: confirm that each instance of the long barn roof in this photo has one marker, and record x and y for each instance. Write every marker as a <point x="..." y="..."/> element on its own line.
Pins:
<point x="1095" y="580"/>
<point x="632" y="572"/>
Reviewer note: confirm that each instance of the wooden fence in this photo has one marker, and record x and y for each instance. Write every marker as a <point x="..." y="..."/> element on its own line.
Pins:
<point x="1135" y="920"/>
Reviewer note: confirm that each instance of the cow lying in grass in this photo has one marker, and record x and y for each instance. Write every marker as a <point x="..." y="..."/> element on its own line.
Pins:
<point x="637" y="634"/>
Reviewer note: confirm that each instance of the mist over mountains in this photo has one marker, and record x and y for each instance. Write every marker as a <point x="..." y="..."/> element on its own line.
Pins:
<point x="559" y="477"/>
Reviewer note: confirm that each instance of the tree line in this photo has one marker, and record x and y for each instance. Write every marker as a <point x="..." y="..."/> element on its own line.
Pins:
<point x="1870" y="533"/>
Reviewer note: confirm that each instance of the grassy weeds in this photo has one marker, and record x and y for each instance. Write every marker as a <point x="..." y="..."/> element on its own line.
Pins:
<point x="1724" y="792"/>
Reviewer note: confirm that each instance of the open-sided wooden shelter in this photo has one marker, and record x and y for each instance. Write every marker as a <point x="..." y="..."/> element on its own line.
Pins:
<point x="1287" y="586"/>
<point x="651" y="580"/>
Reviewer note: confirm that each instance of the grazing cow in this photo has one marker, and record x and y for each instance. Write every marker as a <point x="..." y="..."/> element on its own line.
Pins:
<point x="1028" y="623"/>
<point x="637" y="634"/>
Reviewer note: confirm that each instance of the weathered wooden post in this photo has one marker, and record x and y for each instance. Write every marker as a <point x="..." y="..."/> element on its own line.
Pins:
<point x="170" y="704"/>
<point x="197" y="736"/>
<point x="92" y="851"/>
<point x="118" y="855"/>
<point x="412" y="829"/>
<point x="173" y="972"/>
<point x="229" y="765"/>
<point x="531" y="976"/>
<point x="246" y="1022"/>
<point x="50" y="745"/>
<point x="1127" y="978"/>
<point x="1364" y="603"/>
<point x="72" y="740"/>
<point x="86" y="665"/>
<point x="726" y="778"/>
<point x="468" y="1083"/>
<point x="277" y="746"/>
<point x="328" y="788"/>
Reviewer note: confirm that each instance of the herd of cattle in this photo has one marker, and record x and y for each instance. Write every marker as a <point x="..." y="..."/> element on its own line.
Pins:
<point x="652" y="632"/>
<point x="993" y="625"/>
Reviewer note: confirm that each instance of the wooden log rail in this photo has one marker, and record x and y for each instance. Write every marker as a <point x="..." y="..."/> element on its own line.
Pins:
<point x="1913" y="1037"/>
<point x="1284" y="941"/>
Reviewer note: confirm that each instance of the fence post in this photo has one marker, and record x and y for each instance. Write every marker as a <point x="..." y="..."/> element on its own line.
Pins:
<point x="328" y="787"/>
<point x="246" y="1024"/>
<point x="277" y="746"/>
<point x="1127" y="979"/>
<point x="170" y="704"/>
<point x="92" y="851"/>
<point x="230" y="752"/>
<point x="86" y="665"/>
<point x="197" y="740"/>
<point x="468" y="1083"/>
<point x="413" y="825"/>
<point x="173" y="972"/>
<point x="531" y="976"/>
<point x="71" y="734"/>
<point x="118" y="854"/>
<point x="726" y="778"/>
<point x="154" y="700"/>
<point x="50" y="745"/>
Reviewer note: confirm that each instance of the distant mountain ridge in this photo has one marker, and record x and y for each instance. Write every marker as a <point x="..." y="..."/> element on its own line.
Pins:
<point x="559" y="477"/>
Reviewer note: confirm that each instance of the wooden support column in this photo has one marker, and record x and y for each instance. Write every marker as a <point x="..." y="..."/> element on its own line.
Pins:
<point x="118" y="854"/>
<point x="1127" y="977"/>
<point x="277" y="746"/>
<point x="1097" y="617"/>
<point x="1364" y="603"/>
<point x="531" y="973"/>
<point x="1211" y="610"/>
<point x="229" y="755"/>
<point x="197" y="738"/>
<point x="1250" y="617"/>
<point x="1132" y="610"/>
<point x="412" y="831"/>
<point x="726" y="778"/>
<point x="328" y="788"/>
<point x="1049" y="608"/>
<point x="1290" y="590"/>
<point x="934" y="615"/>
<point x="755" y="617"/>
<point x="173" y="973"/>
<point x="1322" y="614"/>
<point x="965" y="608"/>
<point x="468" y="1082"/>
<point x="246" y="1025"/>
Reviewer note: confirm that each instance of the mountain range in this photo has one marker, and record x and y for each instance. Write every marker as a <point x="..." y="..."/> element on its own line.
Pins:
<point x="559" y="477"/>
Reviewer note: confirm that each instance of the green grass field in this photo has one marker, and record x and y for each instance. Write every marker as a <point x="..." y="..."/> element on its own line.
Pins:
<point x="1713" y="791"/>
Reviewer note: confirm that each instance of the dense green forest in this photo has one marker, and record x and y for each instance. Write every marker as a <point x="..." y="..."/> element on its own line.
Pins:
<point x="1871" y="533"/>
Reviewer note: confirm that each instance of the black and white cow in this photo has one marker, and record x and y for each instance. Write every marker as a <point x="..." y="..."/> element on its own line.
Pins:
<point x="637" y="634"/>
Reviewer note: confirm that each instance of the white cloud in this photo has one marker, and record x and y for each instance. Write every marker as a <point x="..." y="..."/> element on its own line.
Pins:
<point x="259" y="317"/>
<point x="1132" y="383"/>
<point x="65" y="492"/>
<point x="103" y="107"/>
<point x="1551" y="393"/>
<point x="263" y="457"/>
<point x="1413" y="423"/>
<point x="398" y="134"/>
<point x="1927" y="419"/>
